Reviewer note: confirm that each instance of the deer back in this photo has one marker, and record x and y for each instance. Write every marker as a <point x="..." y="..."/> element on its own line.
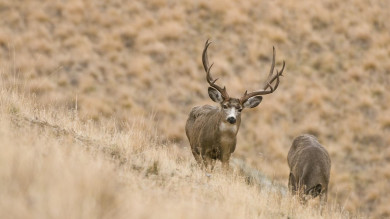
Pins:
<point x="309" y="162"/>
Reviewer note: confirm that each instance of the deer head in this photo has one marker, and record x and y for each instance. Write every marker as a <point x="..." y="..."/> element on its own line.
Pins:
<point x="231" y="107"/>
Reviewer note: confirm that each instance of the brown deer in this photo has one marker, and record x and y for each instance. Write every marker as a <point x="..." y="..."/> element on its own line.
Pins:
<point x="309" y="164"/>
<point x="212" y="130"/>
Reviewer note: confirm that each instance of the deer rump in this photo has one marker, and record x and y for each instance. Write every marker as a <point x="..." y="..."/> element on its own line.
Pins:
<point x="309" y="164"/>
<point x="202" y="131"/>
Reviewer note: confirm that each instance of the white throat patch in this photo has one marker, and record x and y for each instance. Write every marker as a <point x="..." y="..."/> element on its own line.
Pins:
<point x="227" y="127"/>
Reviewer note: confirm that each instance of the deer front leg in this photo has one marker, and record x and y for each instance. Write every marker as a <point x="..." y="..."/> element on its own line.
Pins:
<point x="197" y="156"/>
<point x="225" y="161"/>
<point x="208" y="163"/>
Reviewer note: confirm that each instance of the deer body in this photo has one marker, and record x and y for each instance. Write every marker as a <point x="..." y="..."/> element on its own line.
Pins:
<point x="310" y="165"/>
<point x="212" y="130"/>
<point x="210" y="135"/>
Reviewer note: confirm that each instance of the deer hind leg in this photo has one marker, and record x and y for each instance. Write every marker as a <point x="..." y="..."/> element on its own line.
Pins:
<point x="292" y="186"/>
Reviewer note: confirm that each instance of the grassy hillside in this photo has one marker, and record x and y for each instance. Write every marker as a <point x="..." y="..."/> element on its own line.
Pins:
<point x="125" y="60"/>
<point x="54" y="166"/>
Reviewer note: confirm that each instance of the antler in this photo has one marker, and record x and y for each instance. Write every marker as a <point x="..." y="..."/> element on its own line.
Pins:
<point x="268" y="83"/>
<point x="209" y="79"/>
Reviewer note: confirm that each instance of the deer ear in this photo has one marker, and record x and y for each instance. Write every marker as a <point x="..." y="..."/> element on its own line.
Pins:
<point x="253" y="102"/>
<point x="215" y="95"/>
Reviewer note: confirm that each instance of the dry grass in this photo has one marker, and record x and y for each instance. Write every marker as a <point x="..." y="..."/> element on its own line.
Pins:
<point x="123" y="60"/>
<point x="54" y="166"/>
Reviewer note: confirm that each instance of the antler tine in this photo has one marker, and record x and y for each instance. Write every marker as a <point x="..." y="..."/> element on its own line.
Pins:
<point x="271" y="71"/>
<point x="205" y="59"/>
<point x="206" y="67"/>
<point x="278" y="74"/>
<point x="269" y="81"/>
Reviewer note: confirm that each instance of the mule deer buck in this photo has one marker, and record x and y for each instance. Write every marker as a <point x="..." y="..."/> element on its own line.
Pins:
<point x="309" y="164"/>
<point x="212" y="130"/>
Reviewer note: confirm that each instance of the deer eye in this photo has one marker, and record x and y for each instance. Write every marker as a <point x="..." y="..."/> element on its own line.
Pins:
<point x="224" y="106"/>
<point x="239" y="110"/>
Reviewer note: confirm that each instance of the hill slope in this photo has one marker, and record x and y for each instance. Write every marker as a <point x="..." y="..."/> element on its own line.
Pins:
<point x="53" y="166"/>
<point x="124" y="60"/>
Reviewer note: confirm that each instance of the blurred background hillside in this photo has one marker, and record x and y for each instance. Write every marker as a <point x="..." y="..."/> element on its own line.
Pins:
<point x="129" y="59"/>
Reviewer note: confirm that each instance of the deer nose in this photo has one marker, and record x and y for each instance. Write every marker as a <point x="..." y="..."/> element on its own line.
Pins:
<point x="231" y="120"/>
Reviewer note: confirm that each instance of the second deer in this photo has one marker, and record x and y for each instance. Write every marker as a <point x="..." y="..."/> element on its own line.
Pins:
<point x="212" y="130"/>
<point x="310" y="165"/>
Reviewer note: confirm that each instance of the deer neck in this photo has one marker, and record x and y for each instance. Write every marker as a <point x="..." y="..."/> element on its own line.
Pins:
<point x="227" y="136"/>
